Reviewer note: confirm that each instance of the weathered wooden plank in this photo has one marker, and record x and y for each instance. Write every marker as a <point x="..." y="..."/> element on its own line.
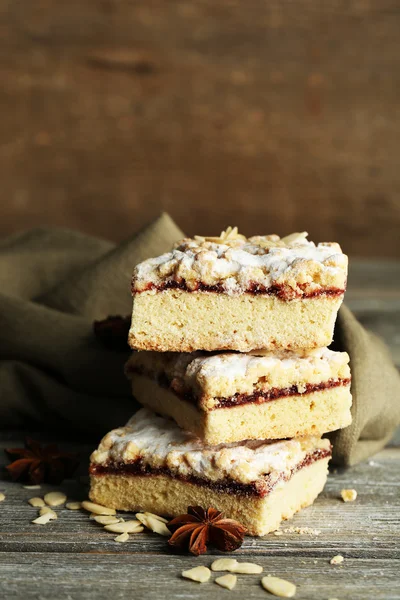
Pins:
<point x="373" y="284"/>
<point x="373" y="294"/>
<point x="274" y="113"/>
<point x="104" y="576"/>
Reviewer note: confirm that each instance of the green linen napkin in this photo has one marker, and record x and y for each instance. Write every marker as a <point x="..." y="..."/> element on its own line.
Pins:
<point x="54" y="373"/>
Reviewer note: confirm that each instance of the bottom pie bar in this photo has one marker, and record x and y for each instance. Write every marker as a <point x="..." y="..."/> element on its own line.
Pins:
<point x="152" y="465"/>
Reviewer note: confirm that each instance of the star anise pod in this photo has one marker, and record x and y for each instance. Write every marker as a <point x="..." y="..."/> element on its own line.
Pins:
<point x="40" y="464"/>
<point x="200" y="527"/>
<point x="113" y="332"/>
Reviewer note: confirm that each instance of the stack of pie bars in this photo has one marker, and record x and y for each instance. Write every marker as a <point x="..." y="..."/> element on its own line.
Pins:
<point x="232" y="367"/>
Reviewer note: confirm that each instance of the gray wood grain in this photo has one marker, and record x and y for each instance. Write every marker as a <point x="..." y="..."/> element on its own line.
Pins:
<point x="74" y="558"/>
<point x="373" y="294"/>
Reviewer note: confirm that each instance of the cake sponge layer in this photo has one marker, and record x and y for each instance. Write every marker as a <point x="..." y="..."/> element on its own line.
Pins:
<point x="180" y="321"/>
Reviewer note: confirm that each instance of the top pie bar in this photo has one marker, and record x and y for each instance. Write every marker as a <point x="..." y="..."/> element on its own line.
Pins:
<point x="237" y="293"/>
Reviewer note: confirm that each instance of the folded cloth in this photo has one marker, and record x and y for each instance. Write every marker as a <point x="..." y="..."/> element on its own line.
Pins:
<point x="55" y="374"/>
<point x="375" y="387"/>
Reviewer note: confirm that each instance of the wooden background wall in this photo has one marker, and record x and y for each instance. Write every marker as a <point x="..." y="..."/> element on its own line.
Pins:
<point x="276" y="115"/>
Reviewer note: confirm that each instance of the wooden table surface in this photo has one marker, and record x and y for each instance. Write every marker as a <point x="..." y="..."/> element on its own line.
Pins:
<point x="74" y="558"/>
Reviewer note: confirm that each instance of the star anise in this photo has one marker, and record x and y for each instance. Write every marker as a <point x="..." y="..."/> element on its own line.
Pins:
<point x="113" y="332"/>
<point x="200" y="527"/>
<point x="40" y="464"/>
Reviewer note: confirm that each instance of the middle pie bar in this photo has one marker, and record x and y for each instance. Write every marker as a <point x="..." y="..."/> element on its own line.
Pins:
<point x="228" y="397"/>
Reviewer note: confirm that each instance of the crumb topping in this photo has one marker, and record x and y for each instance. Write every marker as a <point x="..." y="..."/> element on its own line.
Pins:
<point x="208" y="376"/>
<point x="236" y="264"/>
<point x="159" y="443"/>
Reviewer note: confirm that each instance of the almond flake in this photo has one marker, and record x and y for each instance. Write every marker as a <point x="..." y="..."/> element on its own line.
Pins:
<point x="294" y="238"/>
<point x="55" y="498"/>
<point x="248" y="568"/>
<point x="37" y="502"/>
<point x="43" y="519"/>
<point x="224" y="564"/>
<point x="119" y="519"/>
<point x="227" y="581"/>
<point x="200" y="574"/>
<point x="73" y="505"/>
<point x="46" y="510"/>
<point x="348" y="495"/>
<point x="278" y="587"/>
<point x="336" y="560"/>
<point x="278" y="532"/>
<point x="2" y="497"/>
<point x="162" y="519"/>
<point x="106" y="519"/>
<point x="154" y="524"/>
<point x="31" y="487"/>
<point x="97" y="509"/>
<point x="125" y="527"/>
<point x="124" y="537"/>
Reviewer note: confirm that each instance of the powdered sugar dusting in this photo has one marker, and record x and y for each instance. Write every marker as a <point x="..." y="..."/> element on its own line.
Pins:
<point x="231" y="365"/>
<point x="238" y="263"/>
<point x="159" y="442"/>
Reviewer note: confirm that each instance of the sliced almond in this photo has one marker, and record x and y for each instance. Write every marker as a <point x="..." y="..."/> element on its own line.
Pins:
<point x="248" y="568"/>
<point x="227" y="581"/>
<point x="97" y="509"/>
<point x="73" y="505"/>
<point x="2" y="497"/>
<point x="200" y="574"/>
<point x="158" y="527"/>
<point x="153" y="523"/>
<point x="336" y="560"/>
<point x="124" y="537"/>
<point x="149" y="514"/>
<point x="31" y="487"/>
<point x="125" y="527"/>
<point x="294" y="237"/>
<point x="348" y="495"/>
<point x="224" y="564"/>
<point x="142" y="517"/>
<point x="106" y="519"/>
<point x="55" y="498"/>
<point x="37" y="502"/>
<point x="46" y="510"/>
<point x="278" y="587"/>
<point x="43" y="519"/>
<point x="119" y="519"/>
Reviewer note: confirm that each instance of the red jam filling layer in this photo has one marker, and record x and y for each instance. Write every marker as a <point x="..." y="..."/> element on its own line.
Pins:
<point x="260" y="397"/>
<point x="281" y="291"/>
<point x="260" y="488"/>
